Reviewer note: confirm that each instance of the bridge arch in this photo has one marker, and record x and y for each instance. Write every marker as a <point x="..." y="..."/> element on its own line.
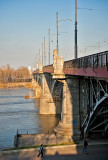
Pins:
<point x="96" y="121"/>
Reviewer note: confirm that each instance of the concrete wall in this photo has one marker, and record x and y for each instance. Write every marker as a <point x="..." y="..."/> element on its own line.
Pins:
<point x="37" y="139"/>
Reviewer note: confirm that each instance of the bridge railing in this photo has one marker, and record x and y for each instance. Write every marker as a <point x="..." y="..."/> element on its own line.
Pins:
<point x="48" y="68"/>
<point x="33" y="131"/>
<point x="95" y="60"/>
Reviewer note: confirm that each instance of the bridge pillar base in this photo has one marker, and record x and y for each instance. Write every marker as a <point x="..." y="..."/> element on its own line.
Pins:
<point x="67" y="130"/>
<point x="37" y="89"/>
<point x="47" y="105"/>
<point x="70" y="118"/>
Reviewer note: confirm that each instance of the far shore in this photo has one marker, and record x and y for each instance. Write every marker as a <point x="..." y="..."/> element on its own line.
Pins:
<point x="16" y="85"/>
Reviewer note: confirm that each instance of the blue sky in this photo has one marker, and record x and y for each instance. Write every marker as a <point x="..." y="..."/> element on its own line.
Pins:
<point x="24" y="23"/>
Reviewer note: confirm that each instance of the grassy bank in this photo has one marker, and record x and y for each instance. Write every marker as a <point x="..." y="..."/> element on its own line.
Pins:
<point x="16" y="85"/>
<point x="50" y="145"/>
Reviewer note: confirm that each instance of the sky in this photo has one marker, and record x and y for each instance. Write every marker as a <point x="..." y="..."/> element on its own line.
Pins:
<point x="25" y="23"/>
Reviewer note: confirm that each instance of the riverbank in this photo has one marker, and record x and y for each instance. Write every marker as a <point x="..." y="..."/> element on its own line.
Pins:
<point x="16" y="85"/>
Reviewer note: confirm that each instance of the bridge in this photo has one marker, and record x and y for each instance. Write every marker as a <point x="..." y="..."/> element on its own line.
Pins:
<point x="78" y="90"/>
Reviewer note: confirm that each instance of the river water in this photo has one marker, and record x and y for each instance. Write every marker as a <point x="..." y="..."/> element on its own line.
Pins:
<point x="16" y="112"/>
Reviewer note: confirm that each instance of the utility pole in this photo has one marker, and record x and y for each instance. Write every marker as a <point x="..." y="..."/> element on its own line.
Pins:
<point x="39" y="55"/>
<point x="75" y="51"/>
<point x="98" y="46"/>
<point x="35" y="63"/>
<point x="85" y="52"/>
<point x="57" y="29"/>
<point x="49" y="46"/>
<point x="44" y="53"/>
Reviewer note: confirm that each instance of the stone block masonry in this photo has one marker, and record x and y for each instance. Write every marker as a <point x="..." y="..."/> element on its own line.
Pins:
<point x="70" y="124"/>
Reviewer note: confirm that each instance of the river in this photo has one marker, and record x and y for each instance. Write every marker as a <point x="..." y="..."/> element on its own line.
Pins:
<point x="16" y="112"/>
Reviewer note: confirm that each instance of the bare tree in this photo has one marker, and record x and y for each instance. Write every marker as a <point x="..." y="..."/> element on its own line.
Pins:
<point x="8" y="74"/>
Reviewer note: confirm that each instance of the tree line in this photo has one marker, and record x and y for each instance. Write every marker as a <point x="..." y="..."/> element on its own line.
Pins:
<point x="8" y="74"/>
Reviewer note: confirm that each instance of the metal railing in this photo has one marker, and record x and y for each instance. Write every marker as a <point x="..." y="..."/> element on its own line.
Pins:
<point x="95" y="60"/>
<point x="33" y="131"/>
<point x="48" y="68"/>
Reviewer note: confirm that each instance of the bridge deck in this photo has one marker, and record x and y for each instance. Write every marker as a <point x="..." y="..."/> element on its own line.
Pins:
<point x="95" y="65"/>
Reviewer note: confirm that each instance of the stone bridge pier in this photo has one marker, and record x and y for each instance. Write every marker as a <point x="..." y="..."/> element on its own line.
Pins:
<point x="60" y="95"/>
<point x="49" y="103"/>
<point x="82" y="101"/>
<point x="69" y="126"/>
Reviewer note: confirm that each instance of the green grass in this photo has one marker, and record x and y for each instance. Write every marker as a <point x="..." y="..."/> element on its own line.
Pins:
<point x="49" y="145"/>
<point x="28" y="147"/>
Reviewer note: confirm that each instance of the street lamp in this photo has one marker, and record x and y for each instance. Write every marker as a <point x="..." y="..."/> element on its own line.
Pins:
<point x="76" y="51"/>
<point x="49" y="46"/>
<point x="44" y="53"/>
<point x="85" y="8"/>
<point x="57" y="26"/>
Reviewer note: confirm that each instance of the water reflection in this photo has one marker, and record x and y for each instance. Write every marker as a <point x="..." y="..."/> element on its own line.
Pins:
<point x="48" y="123"/>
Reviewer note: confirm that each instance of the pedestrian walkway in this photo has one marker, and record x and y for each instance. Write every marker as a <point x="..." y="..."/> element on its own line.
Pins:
<point x="96" y="150"/>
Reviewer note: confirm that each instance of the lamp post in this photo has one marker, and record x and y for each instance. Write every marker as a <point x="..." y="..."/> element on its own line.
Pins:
<point x="57" y="29"/>
<point x="44" y="53"/>
<point x="57" y="26"/>
<point x="49" y="46"/>
<point x="76" y="47"/>
<point x="39" y="54"/>
<point x="75" y="52"/>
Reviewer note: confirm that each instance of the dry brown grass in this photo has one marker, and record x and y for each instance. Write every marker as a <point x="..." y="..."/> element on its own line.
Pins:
<point x="16" y="85"/>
